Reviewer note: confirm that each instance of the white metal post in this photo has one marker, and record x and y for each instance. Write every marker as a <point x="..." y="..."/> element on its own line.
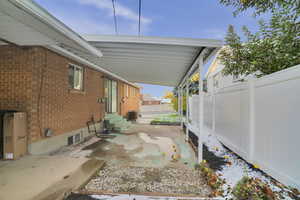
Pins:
<point x="181" y="106"/>
<point x="213" y="112"/>
<point x="201" y="113"/>
<point x="187" y="111"/>
<point x="178" y="100"/>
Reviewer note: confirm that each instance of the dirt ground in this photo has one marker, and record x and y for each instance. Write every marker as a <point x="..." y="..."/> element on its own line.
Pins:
<point x="146" y="159"/>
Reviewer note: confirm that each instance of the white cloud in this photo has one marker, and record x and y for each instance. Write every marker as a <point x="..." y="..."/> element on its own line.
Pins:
<point x="89" y="27"/>
<point x="121" y="10"/>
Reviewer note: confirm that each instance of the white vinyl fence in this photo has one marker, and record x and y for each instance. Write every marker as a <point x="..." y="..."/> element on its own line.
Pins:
<point x="259" y="120"/>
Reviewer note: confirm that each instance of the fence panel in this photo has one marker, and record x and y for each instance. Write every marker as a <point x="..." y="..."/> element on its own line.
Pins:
<point x="277" y="125"/>
<point x="194" y="111"/>
<point x="232" y="117"/>
<point x="259" y="120"/>
<point x="208" y="111"/>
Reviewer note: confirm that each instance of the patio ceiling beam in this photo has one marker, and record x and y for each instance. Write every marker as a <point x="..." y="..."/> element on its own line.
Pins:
<point x="158" y="52"/>
<point x="147" y="58"/>
<point x="155" y="40"/>
<point x="161" y="63"/>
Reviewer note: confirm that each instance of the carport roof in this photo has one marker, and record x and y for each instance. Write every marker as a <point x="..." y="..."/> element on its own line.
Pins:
<point x="152" y="60"/>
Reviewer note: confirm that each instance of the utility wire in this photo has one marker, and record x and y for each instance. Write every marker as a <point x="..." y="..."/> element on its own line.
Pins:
<point x="115" y="17"/>
<point x="140" y="13"/>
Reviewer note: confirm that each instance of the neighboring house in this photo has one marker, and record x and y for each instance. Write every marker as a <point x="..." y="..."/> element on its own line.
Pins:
<point x="166" y="101"/>
<point x="215" y="79"/>
<point x="45" y="71"/>
<point x="147" y="99"/>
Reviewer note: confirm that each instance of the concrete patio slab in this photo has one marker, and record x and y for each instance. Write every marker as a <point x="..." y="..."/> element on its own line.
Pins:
<point x="29" y="177"/>
<point x="148" y="158"/>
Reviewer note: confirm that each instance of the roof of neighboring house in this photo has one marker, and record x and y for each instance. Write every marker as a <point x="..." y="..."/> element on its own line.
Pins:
<point x="149" y="97"/>
<point x="215" y="67"/>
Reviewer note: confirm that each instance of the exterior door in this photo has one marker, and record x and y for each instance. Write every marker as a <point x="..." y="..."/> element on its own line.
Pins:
<point x="111" y="96"/>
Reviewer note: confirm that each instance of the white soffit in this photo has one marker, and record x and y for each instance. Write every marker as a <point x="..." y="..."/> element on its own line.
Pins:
<point x="152" y="60"/>
<point x="25" y="23"/>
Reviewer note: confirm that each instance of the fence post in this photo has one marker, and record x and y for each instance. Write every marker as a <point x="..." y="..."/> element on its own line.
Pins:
<point x="251" y="82"/>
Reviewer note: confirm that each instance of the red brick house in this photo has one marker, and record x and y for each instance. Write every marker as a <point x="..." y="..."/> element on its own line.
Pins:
<point x="45" y="72"/>
<point x="147" y="99"/>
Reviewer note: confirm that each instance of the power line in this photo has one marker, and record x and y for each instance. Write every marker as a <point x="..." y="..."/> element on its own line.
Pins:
<point x="140" y="13"/>
<point x="115" y="17"/>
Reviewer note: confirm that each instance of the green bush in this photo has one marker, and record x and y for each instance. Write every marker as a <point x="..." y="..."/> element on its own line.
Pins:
<point x="212" y="179"/>
<point x="252" y="188"/>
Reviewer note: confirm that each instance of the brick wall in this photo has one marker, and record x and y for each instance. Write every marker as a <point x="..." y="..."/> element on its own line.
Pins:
<point x="61" y="108"/>
<point x="151" y="102"/>
<point x="35" y="80"/>
<point x="16" y="80"/>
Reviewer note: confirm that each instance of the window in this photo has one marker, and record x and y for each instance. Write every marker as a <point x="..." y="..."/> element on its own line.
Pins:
<point x="216" y="81"/>
<point x="235" y="78"/>
<point x="75" y="77"/>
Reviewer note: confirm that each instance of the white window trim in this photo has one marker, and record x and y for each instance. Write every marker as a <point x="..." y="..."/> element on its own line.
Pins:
<point x="82" y="78"/>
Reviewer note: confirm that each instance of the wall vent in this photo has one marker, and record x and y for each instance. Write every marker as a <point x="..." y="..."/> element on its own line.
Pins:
<point x="70" y="140"/>
<point x="77" y="138"/>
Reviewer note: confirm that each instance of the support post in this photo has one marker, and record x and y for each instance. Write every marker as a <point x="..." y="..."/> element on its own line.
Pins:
<point x="181" y="106"/>
<point x="187" y="111"/>
<point x="201" y="113"/>
<point x="213" y="112"/>
<point x="178" y="101"/>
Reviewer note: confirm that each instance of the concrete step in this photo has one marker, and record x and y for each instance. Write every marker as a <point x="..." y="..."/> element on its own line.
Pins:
<point x="117" y="122"/>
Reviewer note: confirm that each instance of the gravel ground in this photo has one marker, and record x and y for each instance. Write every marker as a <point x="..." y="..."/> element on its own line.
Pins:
<point x="141" y="179"/>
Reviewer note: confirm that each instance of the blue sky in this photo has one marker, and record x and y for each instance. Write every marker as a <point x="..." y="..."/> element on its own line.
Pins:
<point x="166" y="18"/>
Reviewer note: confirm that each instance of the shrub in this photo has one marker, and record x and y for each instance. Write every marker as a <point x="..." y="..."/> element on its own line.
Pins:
<point x="212" y="179"/>
<point x="252" y="188"/>
<point x="174" y="102"/>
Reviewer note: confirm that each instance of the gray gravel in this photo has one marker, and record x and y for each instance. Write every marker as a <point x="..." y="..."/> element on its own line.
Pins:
<point x="140" y="179"/>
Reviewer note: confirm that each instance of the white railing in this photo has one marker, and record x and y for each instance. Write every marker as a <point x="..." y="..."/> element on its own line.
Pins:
<point x="259" y="120"/>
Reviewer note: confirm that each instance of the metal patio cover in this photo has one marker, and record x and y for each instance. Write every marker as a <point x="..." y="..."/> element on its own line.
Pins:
<point x="152" y="60"/>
